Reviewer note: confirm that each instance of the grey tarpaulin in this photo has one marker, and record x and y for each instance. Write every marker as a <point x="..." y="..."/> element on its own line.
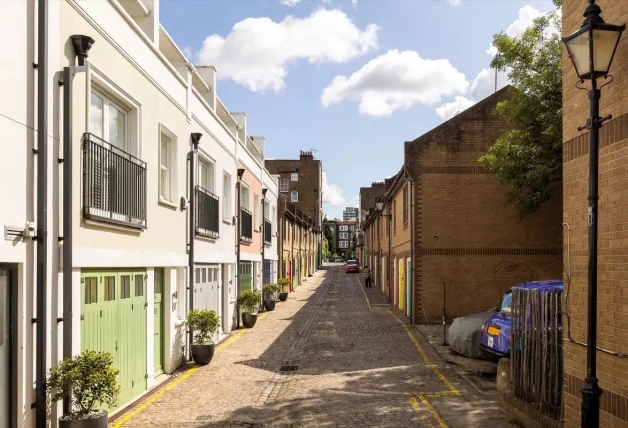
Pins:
<point x="464" y="334"/>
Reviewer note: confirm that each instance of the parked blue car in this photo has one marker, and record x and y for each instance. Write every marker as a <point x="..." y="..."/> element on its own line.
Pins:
<point x="495" y="332"/>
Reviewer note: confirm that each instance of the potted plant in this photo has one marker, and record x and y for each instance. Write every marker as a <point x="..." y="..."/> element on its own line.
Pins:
<point x="203" y="323"/>
<point x="89" y="379"/>
<point x="283" y="284"/>
<point x="270" y="292"/>
<point x="248" y="300"/>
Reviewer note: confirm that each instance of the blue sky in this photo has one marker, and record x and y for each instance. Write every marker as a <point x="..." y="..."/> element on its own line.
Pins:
<point x="403" y="62"/>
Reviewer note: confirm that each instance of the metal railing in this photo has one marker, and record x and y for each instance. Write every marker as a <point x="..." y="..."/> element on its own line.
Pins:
<point x="268" y="231"/>
<point x="114" y="184"/>
<point x="207" y="213"/>
<point x="246" y="225"/>
<point x="536" y="343"/>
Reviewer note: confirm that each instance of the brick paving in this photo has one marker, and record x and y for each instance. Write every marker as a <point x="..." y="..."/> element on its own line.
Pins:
<point x="355" y="367"/>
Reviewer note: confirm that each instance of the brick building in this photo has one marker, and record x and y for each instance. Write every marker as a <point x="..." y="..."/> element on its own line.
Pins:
<point x="613" y="228"/>
<point x="298" y="247"/>
<point x="345" y="236"/>
<point x="301" y="181"/>
<point x="467" y="240"/>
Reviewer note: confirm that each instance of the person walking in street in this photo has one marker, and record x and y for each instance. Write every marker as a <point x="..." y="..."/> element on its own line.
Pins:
<point x="367" y="276"/>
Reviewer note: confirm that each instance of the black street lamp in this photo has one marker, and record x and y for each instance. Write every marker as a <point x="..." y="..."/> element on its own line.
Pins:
<point x="591" y="50"/>
<point x="380" y="207"/>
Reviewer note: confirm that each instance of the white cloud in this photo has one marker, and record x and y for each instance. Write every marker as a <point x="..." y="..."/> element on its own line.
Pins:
<point x="257" y="51"/>
<point x="396" y="81"/>
<point x="290" y="2"/>
<point x="332" y="193"/>
<point x="449" y="110"/>
<point x="187" y="51"/>
<point x="527" y="15"/>
<point x="453" y="2"/>
<point x="356" y="201"/>
<point x="354" y="3"/>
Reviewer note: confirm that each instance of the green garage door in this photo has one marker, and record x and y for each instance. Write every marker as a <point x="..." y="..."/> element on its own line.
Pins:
<point x="113" y="319"/>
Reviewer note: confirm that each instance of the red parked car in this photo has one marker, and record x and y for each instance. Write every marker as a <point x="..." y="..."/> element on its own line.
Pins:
<point x="352" y="266"/>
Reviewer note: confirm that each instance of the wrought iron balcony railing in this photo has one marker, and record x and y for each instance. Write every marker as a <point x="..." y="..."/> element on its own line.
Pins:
<point x="268" y="230"/>
<point x="246" y="225"/>
<point x="207" y="213"/>
<point x="114" y="184"/>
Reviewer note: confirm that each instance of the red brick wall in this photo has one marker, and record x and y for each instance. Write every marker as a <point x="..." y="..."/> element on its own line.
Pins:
<point x="613" y="226"/>
<point x="465" y="237"/>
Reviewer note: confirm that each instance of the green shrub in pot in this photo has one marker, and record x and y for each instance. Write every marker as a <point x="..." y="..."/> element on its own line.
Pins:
<point x="203" y="324"/>
<point x="249" y="300"/>
<point x="90" y="380"/>
<point x="284" y="284"/>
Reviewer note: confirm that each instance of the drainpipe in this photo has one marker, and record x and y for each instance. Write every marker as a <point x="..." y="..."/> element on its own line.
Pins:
<point x="292" y="257"/>
<point x="82" y="45"/>
<point x="42" y="212"/>
<point x="390" y="266"/>
<point x="238" y="240"/>
<point x="412" y="308"/>
<point x="263" y="240"/>
<point x="195" y="137"/>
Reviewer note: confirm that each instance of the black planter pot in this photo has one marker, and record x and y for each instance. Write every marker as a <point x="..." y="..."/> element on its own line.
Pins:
<point x="283" y="296"/>
<point x="269" y="305"/>
<point x="249" y="320"/>
<point x="97" y="421"/>
<point x="203" y="354"/>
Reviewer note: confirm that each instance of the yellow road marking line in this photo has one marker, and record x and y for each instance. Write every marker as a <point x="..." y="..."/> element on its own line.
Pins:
<point x="365" y="296"/>
<point x="428" y="362"/>
<point x="432" y="411"/>
<point x="176" y="381"/>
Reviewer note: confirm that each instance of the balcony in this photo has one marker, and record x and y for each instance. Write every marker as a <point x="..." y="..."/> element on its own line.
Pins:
<point x="207" y="213"/>
<point x="246" y="225"/>
<point x="268" y="230"/>
<point x="114" y="184"/>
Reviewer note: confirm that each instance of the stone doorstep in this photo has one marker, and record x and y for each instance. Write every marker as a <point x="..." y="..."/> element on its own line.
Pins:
<point x="525" y="414"/>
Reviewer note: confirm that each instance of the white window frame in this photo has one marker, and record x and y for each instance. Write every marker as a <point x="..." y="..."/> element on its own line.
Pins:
<point x="343" y="244"/>
<point x="171" y="168"/>
<point x="205" y="159"/>
<point x="294" y="176"/>
<point x="256" y="208"/>
<point x="292" y="196"/>
<point x="102" y="86"/>
<point x="227" y="211"/>
<point x="344" y="235"/>
<point x="284" y="185"/>
<point x="344" y="228"/>
<point x="352" y="228"/>
<point x="273" y="221"/>
<point x="245" y="202"/>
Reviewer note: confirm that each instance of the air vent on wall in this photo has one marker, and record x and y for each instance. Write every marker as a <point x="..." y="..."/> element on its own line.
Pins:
<point x="13" y="233"/>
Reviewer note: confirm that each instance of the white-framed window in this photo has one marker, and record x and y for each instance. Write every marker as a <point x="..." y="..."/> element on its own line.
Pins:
<point x="344" y="228"/>
<point x="206" y="174"/>
<point x="284" y="185"/>
<point x="352" y="228"/>
<point x="167" y="166"/>
<point x="343" y="244"/>
<point x="273" y="221"/>
<point x="109" y="120"/>
<point x="226" y="197"/>
<point x="294" y="176"/>
<point x="294" y="196"/>
<point x="344" y="235"/>
<point x="245" y="196"/>
<point x="256" y="221"/>
<point x="267" y="210"/>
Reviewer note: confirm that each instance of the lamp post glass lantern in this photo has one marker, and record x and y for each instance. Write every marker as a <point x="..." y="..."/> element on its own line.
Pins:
<point x="591" y="49"/>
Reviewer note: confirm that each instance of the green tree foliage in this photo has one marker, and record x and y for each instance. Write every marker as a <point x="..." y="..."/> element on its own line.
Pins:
<point x="329" y="235"/>
<point x="204" y="324"/>
<point x="89" y="379"/>
<point x="249" y="300"/>
<point x="528" y="157"/>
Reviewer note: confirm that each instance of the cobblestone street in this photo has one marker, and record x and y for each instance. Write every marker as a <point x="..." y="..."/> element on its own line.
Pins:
<point x="353" y="367"/>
